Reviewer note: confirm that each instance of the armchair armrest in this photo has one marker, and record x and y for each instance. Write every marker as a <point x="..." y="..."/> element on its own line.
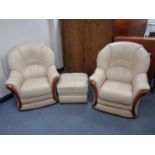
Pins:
<point x="140" y="87"/>
<point x="14" y="81"/>
<point x="96" y="81"/>
<point x="140" y="84"/>
<point x="53" y="77"/>
<point x="98" y="77"/>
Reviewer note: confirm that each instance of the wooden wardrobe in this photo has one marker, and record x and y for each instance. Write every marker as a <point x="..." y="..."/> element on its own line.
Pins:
<point x="82" y="40"/>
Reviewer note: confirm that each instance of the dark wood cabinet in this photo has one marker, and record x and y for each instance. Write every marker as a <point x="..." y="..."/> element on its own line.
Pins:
<point x="82" y="40"/>
<point x="129" y="27"/>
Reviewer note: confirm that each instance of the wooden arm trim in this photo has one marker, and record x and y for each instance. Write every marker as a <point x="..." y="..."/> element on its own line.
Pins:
<point x="15" y="92"/>
<point x="136" y="99"/>
<point x="54" y="88"/>
<point x="95" y="92"/>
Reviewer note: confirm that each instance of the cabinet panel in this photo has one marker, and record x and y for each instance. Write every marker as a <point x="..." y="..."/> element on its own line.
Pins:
<point x="129" y="27"/>
<point x="98" y="33"/>
<point x="82" y="40"/>
<point x="73" y="41"/>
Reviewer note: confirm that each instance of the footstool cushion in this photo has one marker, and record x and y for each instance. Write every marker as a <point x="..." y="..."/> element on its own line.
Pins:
<point x="73" y="88"/>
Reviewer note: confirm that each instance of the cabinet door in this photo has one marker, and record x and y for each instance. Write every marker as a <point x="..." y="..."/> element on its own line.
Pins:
<point x="73" y="44"/>
<point x="82" y="40"/>
<point x="98" y="33"/>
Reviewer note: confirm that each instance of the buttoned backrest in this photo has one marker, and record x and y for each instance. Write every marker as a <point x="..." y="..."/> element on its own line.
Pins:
<point x="123" y="60"/>
<point x="32" y="60"/>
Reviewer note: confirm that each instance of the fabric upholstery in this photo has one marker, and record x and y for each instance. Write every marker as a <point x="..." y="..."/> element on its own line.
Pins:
<point x="32" y="74"/>
<point x="73" y="88"/>
<point x="124" y="66"/>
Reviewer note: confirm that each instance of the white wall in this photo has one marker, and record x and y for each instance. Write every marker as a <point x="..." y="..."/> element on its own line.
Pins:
<point x="56" y="41"/>
<point x="14" y="32"/>
<point x="152" y="21"/>
<point x="3" y="90"/>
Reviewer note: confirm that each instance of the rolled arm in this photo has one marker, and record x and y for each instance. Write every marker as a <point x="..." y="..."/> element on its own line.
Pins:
<point x="14" y="81"/>
<point x="140" y="84"/>
<point x="53" y="77"/>
<point x="52" y="74"/>
<point x="98" y="77"/>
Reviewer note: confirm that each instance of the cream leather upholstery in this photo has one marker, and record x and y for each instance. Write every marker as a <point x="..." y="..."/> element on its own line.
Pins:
<point x="73" y="88"/>
<point x="110" y="92"/>
<point x="120" y="77"/>
<point x="33" y="75"/>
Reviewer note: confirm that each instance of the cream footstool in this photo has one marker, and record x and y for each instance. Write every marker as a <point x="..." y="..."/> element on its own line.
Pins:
<point x="73" y="88"/>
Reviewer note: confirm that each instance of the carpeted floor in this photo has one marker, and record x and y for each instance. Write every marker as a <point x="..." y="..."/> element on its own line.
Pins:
<point x="75" y="119"/>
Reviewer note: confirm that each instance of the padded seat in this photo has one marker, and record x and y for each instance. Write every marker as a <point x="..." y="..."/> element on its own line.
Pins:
<point x="117" y="92"/>
<point x="35" y="87"/>
<point x="73" y="88"/>
<point x="73" y="83"/>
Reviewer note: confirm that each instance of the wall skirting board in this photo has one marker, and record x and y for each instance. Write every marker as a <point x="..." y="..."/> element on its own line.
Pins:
<point x="6" y="97"/>
<point x="61" y="70"/>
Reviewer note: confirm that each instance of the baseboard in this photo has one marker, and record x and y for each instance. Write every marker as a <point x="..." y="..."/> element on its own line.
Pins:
<point x="152" y="34"/>
<point x="6" y="97"/>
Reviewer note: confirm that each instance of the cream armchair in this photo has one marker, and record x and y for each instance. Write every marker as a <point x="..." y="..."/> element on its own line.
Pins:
<point x="33" y="76"/>
<point x="120" y="78"/>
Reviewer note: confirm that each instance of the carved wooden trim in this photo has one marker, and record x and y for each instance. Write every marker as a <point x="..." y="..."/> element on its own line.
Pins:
<point x="54" y="88"/>
<point x="94" y="87"/>
<point x="136" y="99"/>
<point x="14" y="91"/>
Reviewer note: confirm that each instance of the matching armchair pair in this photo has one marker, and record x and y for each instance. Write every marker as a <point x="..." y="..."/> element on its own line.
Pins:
<point x="118" y="82"/>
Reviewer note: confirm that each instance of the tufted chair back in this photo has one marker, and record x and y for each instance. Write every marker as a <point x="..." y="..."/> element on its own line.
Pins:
<point x="121" y="61"/>
<point x="31" y="60"/>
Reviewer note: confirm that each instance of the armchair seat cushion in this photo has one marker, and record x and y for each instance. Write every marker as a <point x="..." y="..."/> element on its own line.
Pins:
<point x="35" y="87"/>
<point x="117" y="92"/>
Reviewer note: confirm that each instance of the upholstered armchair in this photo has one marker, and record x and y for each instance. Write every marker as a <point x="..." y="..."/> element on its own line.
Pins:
<point x="33" y="77"/>
<point x="120" y="79"/>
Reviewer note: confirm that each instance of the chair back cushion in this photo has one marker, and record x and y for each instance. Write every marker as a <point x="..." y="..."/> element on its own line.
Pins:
<point x="32" y="60"/>
<point x="123" y="60"/>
